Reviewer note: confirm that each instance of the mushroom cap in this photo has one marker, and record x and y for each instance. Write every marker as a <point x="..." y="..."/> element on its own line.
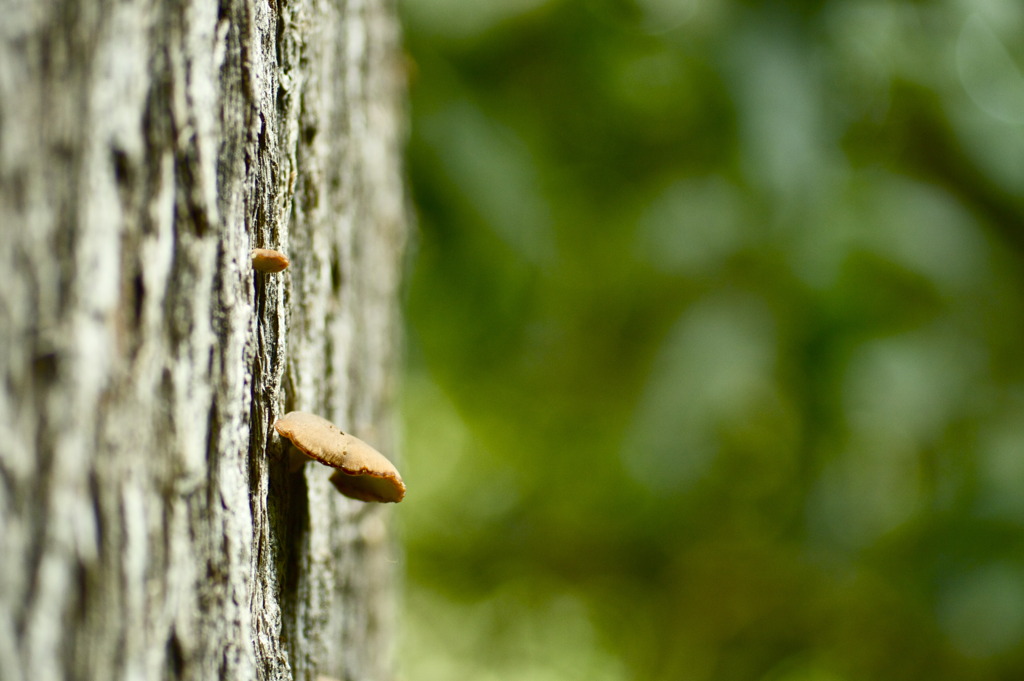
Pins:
<point x="268" y="260"/>
<point x="363" y="472"/>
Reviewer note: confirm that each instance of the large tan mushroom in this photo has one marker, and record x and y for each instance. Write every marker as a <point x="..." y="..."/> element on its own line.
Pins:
<point x="362" y="472"/>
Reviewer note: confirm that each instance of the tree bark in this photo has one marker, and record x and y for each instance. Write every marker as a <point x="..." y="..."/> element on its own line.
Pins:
<point x="149" y="525"/>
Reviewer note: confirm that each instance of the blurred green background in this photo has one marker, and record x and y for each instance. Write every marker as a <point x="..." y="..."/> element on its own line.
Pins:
<point x="716" y="316"/>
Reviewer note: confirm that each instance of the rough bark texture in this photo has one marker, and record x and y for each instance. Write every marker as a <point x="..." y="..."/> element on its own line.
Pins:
<point x="149" y="526"/>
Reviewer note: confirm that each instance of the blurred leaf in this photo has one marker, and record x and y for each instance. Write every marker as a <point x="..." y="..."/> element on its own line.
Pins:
<point x="715" y="325"/>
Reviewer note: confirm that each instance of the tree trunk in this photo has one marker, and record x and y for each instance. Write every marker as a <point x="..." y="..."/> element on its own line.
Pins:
<point x="149" y="525"/>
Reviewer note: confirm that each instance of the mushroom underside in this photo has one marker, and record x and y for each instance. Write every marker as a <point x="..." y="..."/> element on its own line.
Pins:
<point x="367" y="487"/>
<point x="362" y="485"/>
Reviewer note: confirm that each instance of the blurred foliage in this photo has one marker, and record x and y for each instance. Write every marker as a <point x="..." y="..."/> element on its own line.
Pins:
<point x="716" y="319"/>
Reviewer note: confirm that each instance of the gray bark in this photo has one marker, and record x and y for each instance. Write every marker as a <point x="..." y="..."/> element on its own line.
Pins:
<point x="149" y="526"/>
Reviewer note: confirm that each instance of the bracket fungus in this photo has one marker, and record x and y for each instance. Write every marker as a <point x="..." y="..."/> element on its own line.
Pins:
<point x="268" y="260"/>
<point x="361" y="472"/>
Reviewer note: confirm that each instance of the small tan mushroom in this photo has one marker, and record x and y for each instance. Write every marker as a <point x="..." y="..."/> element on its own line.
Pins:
<point x="268" y="260"/>
<point x="362" y="472"/>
